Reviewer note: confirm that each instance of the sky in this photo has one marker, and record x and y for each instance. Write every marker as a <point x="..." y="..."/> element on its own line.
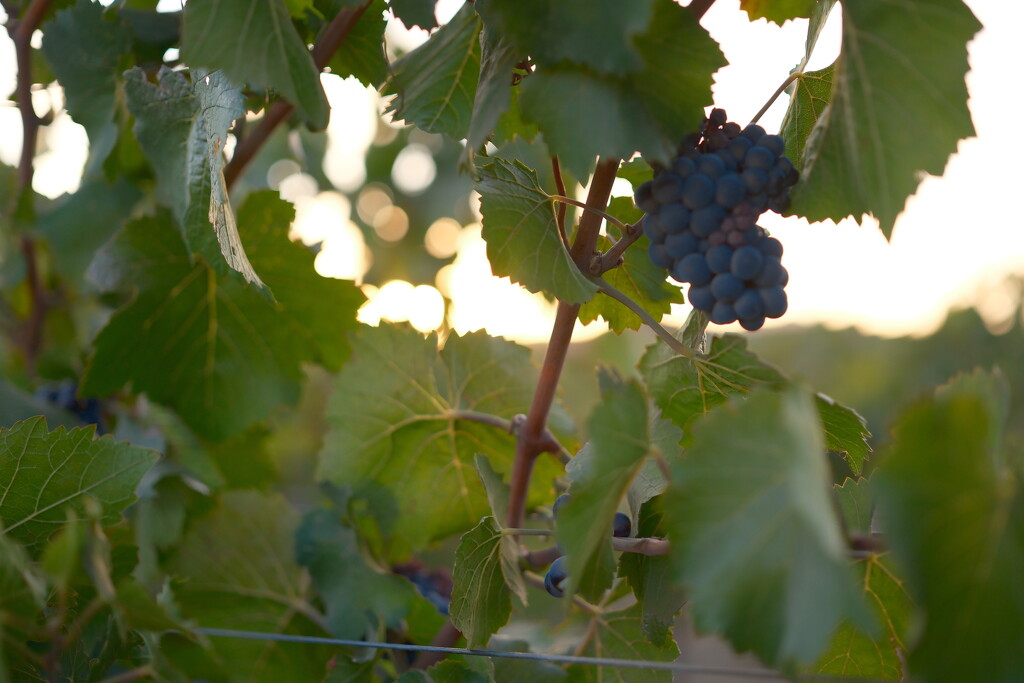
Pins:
<point x="955" y="245"/>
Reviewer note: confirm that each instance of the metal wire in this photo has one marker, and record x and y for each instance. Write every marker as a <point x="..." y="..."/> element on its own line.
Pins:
<point x="534" y="656"/>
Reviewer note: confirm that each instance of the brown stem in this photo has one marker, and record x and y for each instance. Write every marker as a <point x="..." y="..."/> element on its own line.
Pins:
<point x="652" y="547"/>
<point x="585" y="244"/>
<point x="326" y="45"/>
<point x="556" y="170"/>
<point x="613" y="257"/>
<point x="21" y="34"/>
<point x="699" y="7"/>
<point x="542" y="557"/>
<point x="448" y="636"/>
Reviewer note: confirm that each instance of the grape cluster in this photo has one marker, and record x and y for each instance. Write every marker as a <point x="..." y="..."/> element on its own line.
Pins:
<point x="701" y="219"/>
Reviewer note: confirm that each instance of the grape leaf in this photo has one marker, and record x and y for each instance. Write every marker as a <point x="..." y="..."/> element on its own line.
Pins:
<point x="361" y="54"/>
<point x="415" y="13"/>
<point x="79" y="226"/>
<point x="649" y="111"/>
<point x="856" y="502"/>
<point x="213" y="349"/>
<point x="22" y="588"/>
<point x="506" y="669"/>
<point x="653" y="581"/>
<point x="497" y="496"/>
<point x="809" y="94"/>
<point x="255" y="41"/>
<point x="358" y="598"/>
<point x="619" y="443"/>
<point x="470" y="670"/>
<point x="620" y="635"/>
<point x="397" y="435"/>
<point x="859" y="158"/>
<point x="846" y="431"/>
<point x="481" y="599"/>
<point x="521" y="233"/>
<point x="84" y="50"/>
<point x="754" y="535"/>
<point x="435" y="84"/>
<point x="344" y="670"/>
<point x="963" y="559"/>
<point x="637" y="278"/>
<point x="493" y="92"/>
<point x="778" y="11"/>
<point x="856" y="653"/>
<point x="238" y="571"/>
<point x="43" y="474"/>
<point x="599" y="34"/>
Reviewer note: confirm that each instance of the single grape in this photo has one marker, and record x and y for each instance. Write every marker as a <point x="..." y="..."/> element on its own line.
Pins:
<point x="775" y="301"/>
<point x="771" y="272"/>
<point x="719" y="258"/>
<point x="705" y="221"/>
<point x="698" y="190"/>
<point x="771" y="247"/>
<point x="738" y="148"/>
<point x="711" y="165"/>
<point x="723" y="313"/>
<point x="717" y="118"/>
<point x="773" y="142"/>
<point x="726" y="287"/>
<point x="621" y="526"/>
<point x="652" y="228"/>
<point x="693" y="269"/>
<point x="681" y="244"/>
<point x="789" y="173"/>
<point x="684" y="167"/>
<point x="779" y="203"/>
<point x="755" y="179"/>
<point x="659" y="256"/>
<point x="746" y="262"/>
<point x="776" y="182"/>
<point x="749" y="305"/>
<point x="752" y="324"/>
<point x="668" y="188"/>
<point x="731" y="129"/>
<point x="757" y="157"/>
<point x="673" y="218"/>
<point x="731" y="163"/>
<point x="559" y="502"/>
<point x="556" y="576"/>
<point x="644" y="197"/>
<point x="730" y="190"/>
<point x="753" y="132"/>
<point x="701" y="297"/>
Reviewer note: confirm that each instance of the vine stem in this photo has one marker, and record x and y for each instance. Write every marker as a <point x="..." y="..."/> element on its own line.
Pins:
<point x="613" y="257"/>
<point x="21" y="32"/>
<point x="326" y="45"/>
<point x="583" y="205"/>
<point x="778" y="91"/>
<point x="556" y="170"/>
<point x="533" y="439"/>
<point x="666" y="336"/>
<point x="448" y="636"/>
<point x="699" y="7"/>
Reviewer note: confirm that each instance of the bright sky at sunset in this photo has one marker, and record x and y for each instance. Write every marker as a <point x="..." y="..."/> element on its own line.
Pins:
<point x="954" y="245"/>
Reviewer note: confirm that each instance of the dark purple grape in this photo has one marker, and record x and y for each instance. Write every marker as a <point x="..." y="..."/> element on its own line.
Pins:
<point x="717" y="238"/>
<point x="719" y="258"/>
<point x="701" y="298"/>
<point x="705" y="221"/>
<point x="771" y="272"/>
<point x="726" y="287"/>
<point x="559" y="502"/>
<point x="659" y="256"/>
<point x="693" y="269"/>
<point x="667" y="188"/>
<point x="752" y="324"/>
<point x="731" y="129"/>
<point x="652" y="228"/>
<point x="621" y="525"/>
<point x="749" y="305"/>
<point x="698" y="190"/>
<point x="775" y="301"/>
<point x="717" y="118"/>
<point x="683" y="167"/>
<point x="771" y="247"/>
<point x="712" y="165"/>
<point x="738" y="148"/>
<point x="746" y="262"/>
<point x="774" y="143"/>
<point x="757" y="157"/>
<point x="673" y="218"/>
<point x="722" y="313"/>
<point x="681" y="244"/>
<point x="755" y="179"/>
<point x="644" y="197"/>
<point x="789" y="173"/>
<point x="556" y="576"/>
<point x="779" y="203"/>
<point x="731" y="163"/>
<point x="753" y="132"/>
<point x="730" y="190"/>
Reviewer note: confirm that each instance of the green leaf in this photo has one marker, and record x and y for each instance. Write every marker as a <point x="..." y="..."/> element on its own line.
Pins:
<point x="415" y="13"/>
<point x="754" y="535"/>
<point x="494" y="91"/>
<point x="856" y="160"/>
<point x="648" y="111"/>
<point x="856" y="653"/>
<point x="481" y="600"/>
<point x="653" y="581"/>
<point x="362" y="52"/>
<point x="856" y="502"/>
<point x="778" y="11"/>
<point x="809" y="95"/>
<point x="359" y="598"/>
<point x="84" y="51"/>
<point x="846" y="432"/>
<point x="254" y="41"/>
<point x="497" y="490"/>
<point x="637" y="278"/>
<point x="507" y="669"/>
<point x="238" y="571"/>
<point x="398" y="438"/>
<point x="213" y="349"/>
<point x="619" y="443"/>
<point x="140" y="610"/>
<point x="620" y="635"/>
<point x="45" y="474"/>
<point x="344" y="670"/>
<point x="954" y="517"/>
<point x="62" y="556"/>
<point x="472" y="670"/>
<point x="599" y="34"/>
<point x="78" y="227"/>
<point x="22" y="588"/>
<point x="435" y="84"/>
<point x="522" y="235"/>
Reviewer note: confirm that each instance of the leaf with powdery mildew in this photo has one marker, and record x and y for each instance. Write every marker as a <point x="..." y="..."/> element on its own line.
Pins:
<point x="901" y="68"/>
<point x="521" y="233"/>
<point x="44" y="473"/>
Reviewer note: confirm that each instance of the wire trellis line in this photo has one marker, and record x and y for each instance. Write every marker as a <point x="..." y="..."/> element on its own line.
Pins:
<point x="534" y="656"/>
